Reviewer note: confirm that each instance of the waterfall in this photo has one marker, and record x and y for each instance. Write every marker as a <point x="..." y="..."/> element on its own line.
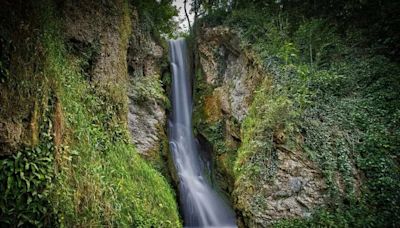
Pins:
<point x="200" y="203"/>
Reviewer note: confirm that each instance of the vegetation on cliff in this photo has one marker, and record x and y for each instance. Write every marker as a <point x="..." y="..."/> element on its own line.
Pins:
<point x="331" y="92"/>
<point x="326" y="76"/>
<point x="75" y="165"/>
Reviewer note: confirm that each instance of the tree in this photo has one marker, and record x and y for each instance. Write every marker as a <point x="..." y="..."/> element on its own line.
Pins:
<point x="187" y="15"/>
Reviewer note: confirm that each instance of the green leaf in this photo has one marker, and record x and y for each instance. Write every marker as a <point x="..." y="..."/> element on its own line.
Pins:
<point x="28" y="185"/>
<point x="10" y="182"/>
<point x="29" y="200"/>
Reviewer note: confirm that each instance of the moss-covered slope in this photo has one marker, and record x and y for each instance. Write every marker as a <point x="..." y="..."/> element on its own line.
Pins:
<point x="318" y="142"/>
<point x="66" y="153"/>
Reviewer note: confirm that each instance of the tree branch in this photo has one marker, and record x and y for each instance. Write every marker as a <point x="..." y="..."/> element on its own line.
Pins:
<point x="187" y="15"/>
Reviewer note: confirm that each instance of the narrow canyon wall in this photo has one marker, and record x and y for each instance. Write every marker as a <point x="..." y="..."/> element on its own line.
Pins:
<point x="20" y="106"/>
<point x="226" y="79"/>
<point x="147" y="99"/>
<point x="99" y="35"/>
<point x="131" y="60"/>
<point x="265" y="185"/>
<point x="68" y="72"/>
<point x="147" y="116"/>
<point x="95" y="36"/>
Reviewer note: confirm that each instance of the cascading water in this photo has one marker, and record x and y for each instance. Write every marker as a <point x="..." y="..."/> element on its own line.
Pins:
<point x="200" y="204"/>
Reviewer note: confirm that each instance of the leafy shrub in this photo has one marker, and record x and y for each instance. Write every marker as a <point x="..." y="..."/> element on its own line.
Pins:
<point x="340" y="98"/>
<point x="26" y="180"/>
<point x="157" y="16"/>
<point x="148" y="88"/>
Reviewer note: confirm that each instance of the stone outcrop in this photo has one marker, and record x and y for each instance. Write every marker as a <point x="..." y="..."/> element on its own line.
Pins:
<point x="98" y="34"/>
<point x="92" y="24"/>
<point x="296" y="188"/>
<point x="10" y="136"/>
<point x="230" y="75"/>
<point x="24" y="92"/>
<point x="223" y="94"/>
<point x="111" y="54"/>
<point x="229" y="70"/>
<point x="147" y="114"/>
<point x="114" y="51"/>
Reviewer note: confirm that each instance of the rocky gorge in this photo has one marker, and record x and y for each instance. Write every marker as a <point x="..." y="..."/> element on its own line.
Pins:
<point x="295" y="113"/>
<point x="234" y="76"/>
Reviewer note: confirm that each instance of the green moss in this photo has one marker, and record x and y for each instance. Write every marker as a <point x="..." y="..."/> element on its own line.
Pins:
<point x="211" y="124"/>
<point x="97" y="177"/>
<point x="268" y="114"/>
<point x="339" y="100"/>
<point x="27" y="97"/>
<point x="114" y="185"/>
<point x="26" y="182"/>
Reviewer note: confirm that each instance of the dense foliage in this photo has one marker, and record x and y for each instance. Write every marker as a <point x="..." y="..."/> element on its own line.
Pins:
<point x="332" y="92"/>
<point x="157" y="16"/>
<point x="376" y="21"/>
<point x="335" y="85"/>
<point x="82" y="170"/>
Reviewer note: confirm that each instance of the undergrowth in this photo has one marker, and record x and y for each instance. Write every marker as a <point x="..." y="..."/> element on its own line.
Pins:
<point x="26" y="182"/>
<point x="94" y="177"/>
<point x="340" y="98"/>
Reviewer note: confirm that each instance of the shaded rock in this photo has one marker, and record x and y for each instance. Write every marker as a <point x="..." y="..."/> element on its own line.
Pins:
<point x="89" y="22"/>
<point x="296" y="185"/>
<point x="10" y="137"/>
<point x="147" y="117"/>
<point x="228" y="68"/>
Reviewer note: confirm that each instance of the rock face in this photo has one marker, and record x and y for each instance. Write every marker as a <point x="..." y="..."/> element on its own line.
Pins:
<point x="223" y="94"/>
<point x="23" y="91"/>
<point x="10" y="136"/>
<point x="228" y="70"/>
<point x="97" y="40"/>
<point x="92" y="25"/>
<point x="145" y="124"/>
<point x="225" y="88"/>
<point x="110" y="55"/>
<point x="296" y="188"/>
<point x="147" y="116"/>
<point x="98" y="34"/>
<point x="108" y="43"/>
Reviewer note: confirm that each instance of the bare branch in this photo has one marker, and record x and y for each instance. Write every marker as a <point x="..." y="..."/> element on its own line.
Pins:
<point x="187" y="15"/>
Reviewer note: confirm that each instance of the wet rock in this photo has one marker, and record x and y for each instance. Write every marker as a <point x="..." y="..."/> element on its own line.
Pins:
<point x="229" y="69"/>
